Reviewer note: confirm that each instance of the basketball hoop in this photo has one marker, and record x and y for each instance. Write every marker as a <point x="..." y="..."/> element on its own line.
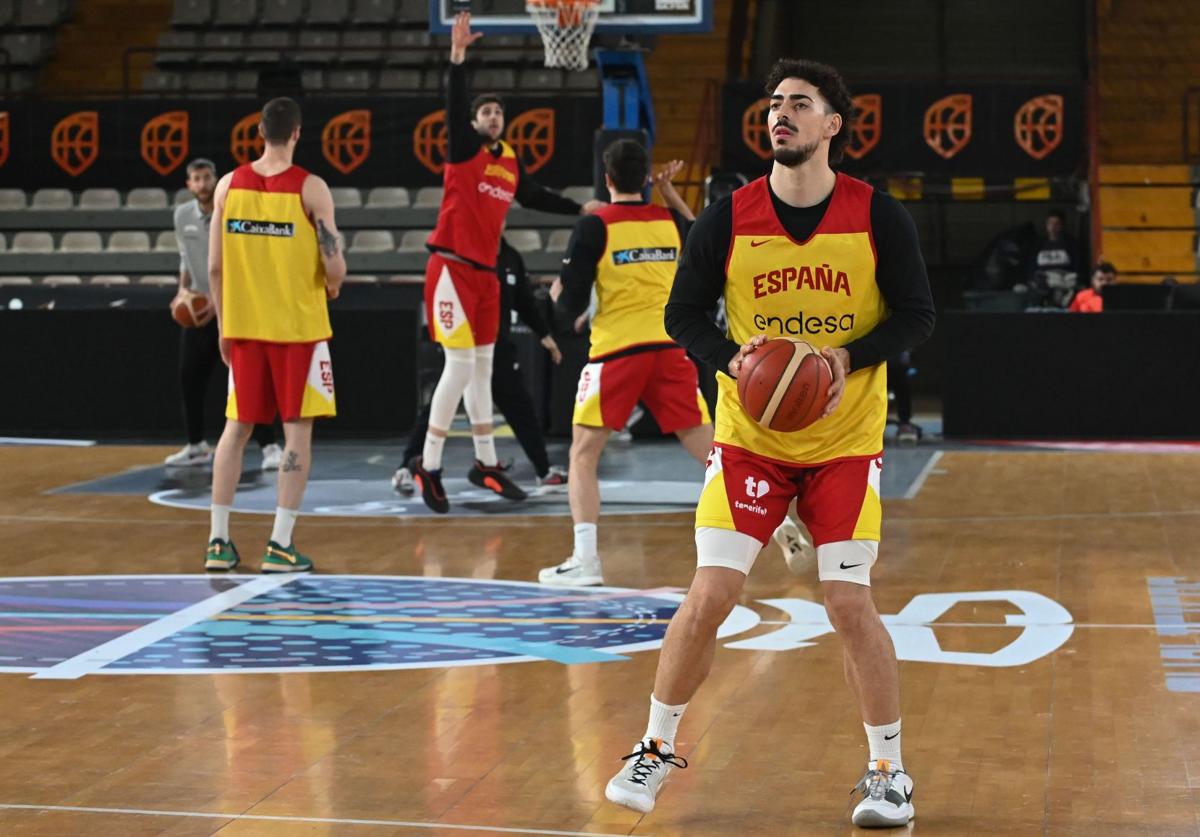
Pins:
<point x="566" y="27"/>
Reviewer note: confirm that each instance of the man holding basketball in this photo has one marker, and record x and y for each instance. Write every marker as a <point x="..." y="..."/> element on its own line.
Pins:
<point x="483" y="176"/>
<point x="198" y="352"/>
<point x="812" y="254"/>
<point x="276" y="259"/>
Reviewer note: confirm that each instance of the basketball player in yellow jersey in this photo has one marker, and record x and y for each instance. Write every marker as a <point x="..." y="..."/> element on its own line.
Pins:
<point x="810" y="253"/>
<point x="275" y="259"/>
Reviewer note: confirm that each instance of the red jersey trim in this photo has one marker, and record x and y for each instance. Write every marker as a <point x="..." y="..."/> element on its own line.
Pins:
<point x="849" y="211"/>
<point x="289" y="181"/>
<point x="790" y="464"/>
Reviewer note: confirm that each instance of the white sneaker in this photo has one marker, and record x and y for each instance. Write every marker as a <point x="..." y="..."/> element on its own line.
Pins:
<point x="272" y="456"/>
<point x="572" y="573"/>
<point x="190" y="455"/>
<point x="645" y="770"/>
<point x="796" y="542"/>
<point x="402" y="482"/>
<point x="886" y="797"/>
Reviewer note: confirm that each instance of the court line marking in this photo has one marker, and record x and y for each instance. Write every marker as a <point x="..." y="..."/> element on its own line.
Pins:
<point x="328" y="820"/>
<point x="61" y="443"/>
<point x="97" y="658"/>
<point x="917" y="484"/>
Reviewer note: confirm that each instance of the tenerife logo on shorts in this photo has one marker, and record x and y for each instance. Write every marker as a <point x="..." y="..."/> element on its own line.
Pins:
<point x="637" y="255"/>
<point x="278" y="229"/>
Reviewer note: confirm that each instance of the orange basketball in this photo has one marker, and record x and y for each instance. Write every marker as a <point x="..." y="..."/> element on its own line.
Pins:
<point x="191" y="310"/>
<point x="783" y="384"/>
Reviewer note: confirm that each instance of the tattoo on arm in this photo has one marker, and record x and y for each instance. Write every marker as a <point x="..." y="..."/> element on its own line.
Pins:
<point x="292" y="462"/>
<point x="329" y="241"/>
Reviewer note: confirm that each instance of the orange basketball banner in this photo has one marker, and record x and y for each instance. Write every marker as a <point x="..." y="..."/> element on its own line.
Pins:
<point x="165" y="141"/>
<point x="346" y="140"/>
<point x="75" y="142"/>
<point x="1038" y="125"/>
<point x="245" y="142"/>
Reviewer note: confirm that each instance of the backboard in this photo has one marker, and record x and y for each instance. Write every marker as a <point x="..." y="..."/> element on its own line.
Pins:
<point x="645" y="17"/>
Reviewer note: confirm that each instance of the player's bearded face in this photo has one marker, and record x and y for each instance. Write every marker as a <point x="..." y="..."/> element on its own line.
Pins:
<point x="796" y="122"/>
<point x="489" y="122"/>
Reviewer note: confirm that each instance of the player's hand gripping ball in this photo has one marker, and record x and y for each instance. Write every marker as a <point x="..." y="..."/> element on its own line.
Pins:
<point x="191" y="310"/>
<point x="784" y="384"/>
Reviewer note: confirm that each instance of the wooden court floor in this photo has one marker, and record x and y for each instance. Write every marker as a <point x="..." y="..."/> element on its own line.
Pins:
<point x="1084" y="740"/>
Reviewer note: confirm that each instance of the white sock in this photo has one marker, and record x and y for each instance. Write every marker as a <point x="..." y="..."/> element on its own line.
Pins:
<point x="285" y="520"/>
<point x="485" y="449"/>
<point x="219" y="527"/>
<point x="884" y="742"/>
<point x="664" y="721"/>
<point x="585" y="542"/>
<point x="431" y="455"/>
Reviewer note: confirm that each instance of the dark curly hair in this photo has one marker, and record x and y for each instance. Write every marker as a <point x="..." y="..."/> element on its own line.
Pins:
<point x="485" y="99"/>
<point x="833" y="90"/>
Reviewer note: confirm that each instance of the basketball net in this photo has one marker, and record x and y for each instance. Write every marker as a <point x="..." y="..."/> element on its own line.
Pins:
<point x="566" y="27"/>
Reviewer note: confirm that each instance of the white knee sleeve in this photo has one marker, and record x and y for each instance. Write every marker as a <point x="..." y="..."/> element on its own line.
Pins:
<point x="456" y="376"/>
<point x="725" y="548"/>
<point x="847" y="561"/>
<point x="478" y="395"/>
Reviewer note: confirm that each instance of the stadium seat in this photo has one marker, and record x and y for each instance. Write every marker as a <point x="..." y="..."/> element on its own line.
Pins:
<point x="146" y="198"/>
<point x="372" y="241"/>
<point x="281" y="12"/>
<point x="14" y="281"/>
<point x="86" y="241"/>
<point x="328" y="12"/>
<point x="413" y="241"/>
<point x="317" y="46"/>
<point x="579" y="194"/>
<point x="12" y="199"/>
<point x="524" y="241"/>
<point x="3" y="243"/>
<point x="387" y="197"/>
<point x="362" y="47"/>
<point x="397" y="79"/>
<point x="495" y="78"/>
<point x="584" y="80"/>
<point x="374" y="12"/>
<point x="182" y="196"/>
<point x="52" y="199"/>
<point x="7" y="12"/>
<point x="362" y="279"/>
<point x="346" y="197"/>
<point x="348" y="79"/>
<point x="191" y="13"/>
<point x="245" y="81"/>
<point x="207" y="81"/>
<point x="109" y="281"/>
<point x="99" y="199"/>
<point x="413" y="11"/>
<point x="166" y="242"/>
<point x="40" y="14"/>
<point x="432" y="78"/>
<point x="272" y="44"/>
<point x="25" y="49"/>
<point x="428" y="197"/>
<point x="176" y="46"/>
<point x="235" y="13"/>
<point x="540" y="78"/>
<point x="58" y="280"/>
<point x="129" y="241"/>
<point x="409" y="47"/>
<point x="159" y="280"/>
<point x="219" y="41"/>
<point x="558" y="241"/>
<point x="32" y="242"/>
<point x="156" y="81"/>
<point x="312" y="79"/>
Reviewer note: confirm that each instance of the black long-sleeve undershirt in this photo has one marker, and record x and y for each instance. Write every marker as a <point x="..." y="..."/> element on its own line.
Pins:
<point x="516" y="294"/>
<point x="463" y="142"/>
<point x="899" y="273"/>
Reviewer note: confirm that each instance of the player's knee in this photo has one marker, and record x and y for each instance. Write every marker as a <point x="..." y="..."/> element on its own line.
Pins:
<point x="848" y="605"/>
<point x="238" y="431"/>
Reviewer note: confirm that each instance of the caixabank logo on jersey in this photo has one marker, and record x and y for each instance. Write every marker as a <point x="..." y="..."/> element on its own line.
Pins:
<point x="66" y="627"/>
<point x="639" y="255"/>
<point x="1013" y="129"/>
<point x="275" y="229"/>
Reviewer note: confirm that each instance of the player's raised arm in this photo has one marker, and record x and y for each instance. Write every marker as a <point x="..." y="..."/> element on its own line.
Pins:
<point x="318" y="203"/>
<point x="462" y="141"/>
<point x="662" y="181"/>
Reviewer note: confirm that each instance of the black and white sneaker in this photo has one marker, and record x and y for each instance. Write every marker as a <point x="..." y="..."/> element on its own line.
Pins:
<point x="642" y="777"/>
<point x="886" y="797"/>
<point x="402" y="482"/>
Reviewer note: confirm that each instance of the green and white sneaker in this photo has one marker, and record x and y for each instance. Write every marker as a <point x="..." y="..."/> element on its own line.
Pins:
<point x="221" y="555"/>
<point x="280" y="559"/>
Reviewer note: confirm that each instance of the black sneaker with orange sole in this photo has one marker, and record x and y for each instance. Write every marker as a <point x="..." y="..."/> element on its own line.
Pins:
<point x="493" y="478"/>
<point x="429" y="483"/>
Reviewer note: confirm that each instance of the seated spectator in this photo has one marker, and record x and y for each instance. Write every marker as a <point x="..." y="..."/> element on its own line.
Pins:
<point x="1090" y="300"/>
<point x="1058" y="250"/>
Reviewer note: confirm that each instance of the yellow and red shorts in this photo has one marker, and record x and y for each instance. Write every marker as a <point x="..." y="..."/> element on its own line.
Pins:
<point x="838" y="501"/>
<point x="462" y="303"/>
<point x="293" y="380"/>
<point x="663" y="379"/>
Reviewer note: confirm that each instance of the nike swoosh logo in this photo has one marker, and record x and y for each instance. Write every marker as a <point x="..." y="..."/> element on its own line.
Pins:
<point x="846" y="566"/>
<point x="561" y="570"/>
<point x="759" y="243"/>
<point x="908" y="795"/>
<point x="886" y="737"/>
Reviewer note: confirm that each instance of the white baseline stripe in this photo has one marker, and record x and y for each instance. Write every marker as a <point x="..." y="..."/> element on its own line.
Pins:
<point x="441" y="826"/>
<point x="915" y="488"/>
<point x="62" y="443"/>
<point x="100" y="656"/>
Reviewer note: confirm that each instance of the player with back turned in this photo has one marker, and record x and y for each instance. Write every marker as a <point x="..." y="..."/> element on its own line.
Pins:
<point x="812" y="254"/>
<point x="483" y="176"/>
